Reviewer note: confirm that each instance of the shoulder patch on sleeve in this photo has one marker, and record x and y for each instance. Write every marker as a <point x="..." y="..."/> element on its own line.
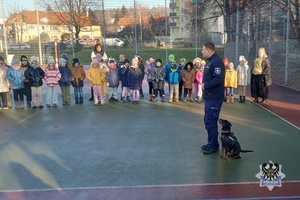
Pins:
<point x="218" y="70"/>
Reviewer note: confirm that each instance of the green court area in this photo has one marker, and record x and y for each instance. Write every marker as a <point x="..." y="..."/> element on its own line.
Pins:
<point x="147" y="144"/>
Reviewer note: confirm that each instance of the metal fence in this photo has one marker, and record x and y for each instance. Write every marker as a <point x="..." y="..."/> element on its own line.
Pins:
<point x="158" y="24"/>
<point x="269" y="26"/>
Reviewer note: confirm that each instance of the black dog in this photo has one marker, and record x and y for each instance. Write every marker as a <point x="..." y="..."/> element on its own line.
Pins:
<point x="230" y="145"/>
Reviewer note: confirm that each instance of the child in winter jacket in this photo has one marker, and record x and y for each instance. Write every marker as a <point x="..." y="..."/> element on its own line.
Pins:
<point x="150" y="65"/>
<point x="158" y="78"/>
<point x="230" y="82"/>
<point x="180" y="68"/>
<point x="15" y="75"/>
<point x="113" y="79"/>
<point x="198" y="80"/>
<point x="78" y="75"/>
<point x="65" y="81"/>
<point x="4" y="85"/>
<point x="188" y="77"/>
<point x="243" y="76"/>
<point x="135" y="79"/>
<point x="96" y="76"/>
<point x="52" y="76"/>
<point x="35" y="75"/>
<point x="124" y="69"/>
<point x="27" y="87"/>
<point x="174" y="83"/>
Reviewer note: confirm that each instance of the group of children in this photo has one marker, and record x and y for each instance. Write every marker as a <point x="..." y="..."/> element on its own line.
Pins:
<point x="25" y="78"/>
<point x="236" y="78"/>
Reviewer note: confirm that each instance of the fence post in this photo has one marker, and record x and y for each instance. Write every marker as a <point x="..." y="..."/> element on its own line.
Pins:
<point x="286" y="69"/>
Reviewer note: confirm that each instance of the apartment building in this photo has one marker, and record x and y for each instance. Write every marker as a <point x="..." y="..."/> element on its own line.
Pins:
<point x="179" y="27"/>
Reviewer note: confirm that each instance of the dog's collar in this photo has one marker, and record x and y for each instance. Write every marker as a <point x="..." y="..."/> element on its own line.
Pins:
<point x="225" y="132"/>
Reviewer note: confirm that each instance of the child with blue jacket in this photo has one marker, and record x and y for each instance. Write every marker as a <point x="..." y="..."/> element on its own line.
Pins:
<point x="15" y="75"/>
<point x="174" y="83"/>
<point x="65" y="81"/>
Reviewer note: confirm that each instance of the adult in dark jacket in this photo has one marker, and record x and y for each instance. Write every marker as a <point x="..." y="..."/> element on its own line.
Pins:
<point x="65" y="81"/>
<point x="35" y="75"/>
<point x="213" y="94"/>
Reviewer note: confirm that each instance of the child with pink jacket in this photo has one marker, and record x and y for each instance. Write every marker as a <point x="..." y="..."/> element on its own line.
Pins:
<point x="198" y="80"/>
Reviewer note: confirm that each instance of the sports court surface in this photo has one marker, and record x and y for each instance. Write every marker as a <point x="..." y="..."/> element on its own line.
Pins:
<point x="146" y="151"/>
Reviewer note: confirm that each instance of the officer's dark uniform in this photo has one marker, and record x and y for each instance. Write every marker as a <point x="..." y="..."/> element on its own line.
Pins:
<point x="213" y="95"/>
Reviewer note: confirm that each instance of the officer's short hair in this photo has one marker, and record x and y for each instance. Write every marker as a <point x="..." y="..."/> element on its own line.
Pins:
<point x="210" y="45"/>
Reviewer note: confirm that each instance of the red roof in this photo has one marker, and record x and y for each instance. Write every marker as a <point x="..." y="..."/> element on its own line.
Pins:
<point x="54" y="18"/>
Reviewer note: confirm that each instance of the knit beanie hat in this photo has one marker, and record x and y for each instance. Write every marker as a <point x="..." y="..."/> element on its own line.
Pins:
<point x="95" y="61"/>
<point x="171" y="56"/>
<point x="110" y="60"/>
<point x="158" y="60"/>
<point x="64" y="56"/>
<point x="24" y="58"/>
<point x="126" y="61"/>
<point x="197" y="60"/>
<point x="242" y="58"/>
<point x="51" y="60"/>
<point x="33" y="58"/>
<point x="76" y="60"/>
<point x="182" y="60"/>
<point x="15" y="60"/>
<point x="61" y="60"/>
<point x="1" y="58"/>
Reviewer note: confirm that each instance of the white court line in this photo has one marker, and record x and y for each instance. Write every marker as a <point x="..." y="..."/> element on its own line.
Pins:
<point x="276" y="115"/>
<point x="145" y="186"/>
<point x="23" y="120"/>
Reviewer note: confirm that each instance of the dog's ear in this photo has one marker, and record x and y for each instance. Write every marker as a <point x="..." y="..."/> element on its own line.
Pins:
<point x="228" y="123"/>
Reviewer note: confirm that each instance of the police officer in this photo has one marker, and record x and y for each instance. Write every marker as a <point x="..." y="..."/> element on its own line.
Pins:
<point x="213" y="94"/>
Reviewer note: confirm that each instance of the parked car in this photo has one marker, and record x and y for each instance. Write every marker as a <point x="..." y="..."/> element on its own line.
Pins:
<point x="19" y="46"/>
<point x="177" y="41"/>
<point x="113" y="42"/>
<point x="60" y="45"/>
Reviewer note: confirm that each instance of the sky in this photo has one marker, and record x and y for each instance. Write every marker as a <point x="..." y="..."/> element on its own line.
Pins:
<point x="11" y="5"/>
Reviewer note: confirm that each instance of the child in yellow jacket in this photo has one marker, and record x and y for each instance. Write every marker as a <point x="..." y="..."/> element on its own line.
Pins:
<point x="230" y="82"/>
<point x="97" y="77"/>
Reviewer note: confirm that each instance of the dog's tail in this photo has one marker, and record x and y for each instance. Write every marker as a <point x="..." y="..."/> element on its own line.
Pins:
<point x="246" y="151"/>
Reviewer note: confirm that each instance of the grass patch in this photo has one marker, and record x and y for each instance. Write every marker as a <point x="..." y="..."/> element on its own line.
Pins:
<point x="84" y="55"/>
<point x="188" y="53"/>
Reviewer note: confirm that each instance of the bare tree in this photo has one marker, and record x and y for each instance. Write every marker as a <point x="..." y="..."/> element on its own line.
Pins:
<point x="72" y="14"/>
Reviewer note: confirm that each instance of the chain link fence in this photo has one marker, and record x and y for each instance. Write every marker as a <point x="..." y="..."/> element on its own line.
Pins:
<point x="156" y="24"/>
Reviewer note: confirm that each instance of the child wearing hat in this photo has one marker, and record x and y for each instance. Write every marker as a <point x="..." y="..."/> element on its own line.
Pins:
<point x="113" y="79"/>
<point x="135" y="79"/>
<point x="78" y="75"/>
<point x="197" y="67"/>
<point x="168" y="68"/>
<point x="96" y="76"/>
<point x="158" y="76"/>
<point x="174" y="83"/>
<point x="52" y="76"/>
<point x="27" y="88"/>
<point x="124" y="76"/>
<point x="181" y="65"/>
<point x="35" y="75"/>
<point x="15" y="75"/>
<point x="199" y="80"/>
<point x="188" y="77"/>
<point x="230" y="82"/>
<point x="65" y="81"/>
<point x="243" y="76"/>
